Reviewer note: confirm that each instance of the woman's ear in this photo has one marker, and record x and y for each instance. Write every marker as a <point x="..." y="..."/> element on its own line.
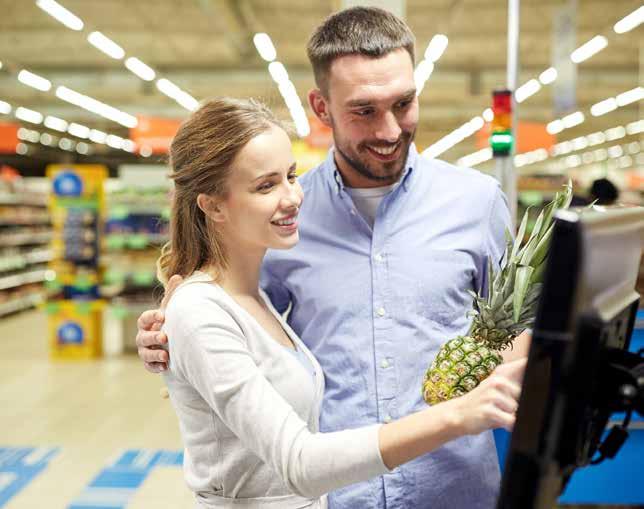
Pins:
<point x="213" y="207"/>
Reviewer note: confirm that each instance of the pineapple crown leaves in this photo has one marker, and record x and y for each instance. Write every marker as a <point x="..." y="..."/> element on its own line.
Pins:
<point x="515" y="288"/>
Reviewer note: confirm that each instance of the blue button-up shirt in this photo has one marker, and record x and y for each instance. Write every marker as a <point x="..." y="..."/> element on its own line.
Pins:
<point x="374" y="305"/>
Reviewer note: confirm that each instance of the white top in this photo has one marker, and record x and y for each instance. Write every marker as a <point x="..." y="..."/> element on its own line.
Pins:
<point x="248" y="410"/>
<point x="368" y="200"/>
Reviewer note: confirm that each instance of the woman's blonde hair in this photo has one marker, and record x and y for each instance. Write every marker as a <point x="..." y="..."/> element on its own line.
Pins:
<point x="201" y="156"/>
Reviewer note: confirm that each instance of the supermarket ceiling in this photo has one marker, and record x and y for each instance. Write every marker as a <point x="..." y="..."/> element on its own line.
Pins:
<point x="206" y="48"/>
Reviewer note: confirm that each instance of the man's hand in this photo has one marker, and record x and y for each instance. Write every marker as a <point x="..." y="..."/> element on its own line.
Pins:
<point x="520" y="347"/>
<point x="149" y="338"/>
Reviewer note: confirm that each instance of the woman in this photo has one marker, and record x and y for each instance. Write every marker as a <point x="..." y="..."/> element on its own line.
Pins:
<point x="246" y="389"/>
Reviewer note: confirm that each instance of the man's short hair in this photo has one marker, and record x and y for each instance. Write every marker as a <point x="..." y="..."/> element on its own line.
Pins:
<point x="365" y="31"/>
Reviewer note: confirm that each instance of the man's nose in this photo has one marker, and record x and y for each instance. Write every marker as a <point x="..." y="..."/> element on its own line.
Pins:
<point x="388" y="128"/>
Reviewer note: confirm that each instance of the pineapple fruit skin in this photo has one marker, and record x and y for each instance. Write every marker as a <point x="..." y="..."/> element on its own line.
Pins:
<point x="461" y="364"/>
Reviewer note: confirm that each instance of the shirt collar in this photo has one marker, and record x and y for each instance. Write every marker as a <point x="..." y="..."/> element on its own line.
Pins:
<point x="338" y="181"/>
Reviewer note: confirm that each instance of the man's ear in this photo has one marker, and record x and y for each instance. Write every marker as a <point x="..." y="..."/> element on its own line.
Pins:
<point x="320" y="106"/>
<point x="213" y="207"/>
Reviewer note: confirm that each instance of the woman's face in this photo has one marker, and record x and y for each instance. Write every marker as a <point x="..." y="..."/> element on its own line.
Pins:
<point x="264" y="197"/>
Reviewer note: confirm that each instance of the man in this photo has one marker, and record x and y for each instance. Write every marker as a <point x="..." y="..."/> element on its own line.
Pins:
<point x="390" y="243"/>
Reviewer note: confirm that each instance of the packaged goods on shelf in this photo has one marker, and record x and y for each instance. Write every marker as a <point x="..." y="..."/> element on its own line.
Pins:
<point x="25" y="232"/>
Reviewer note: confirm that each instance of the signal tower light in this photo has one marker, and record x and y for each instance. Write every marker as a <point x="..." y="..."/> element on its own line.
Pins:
<point x="501" y="138"/>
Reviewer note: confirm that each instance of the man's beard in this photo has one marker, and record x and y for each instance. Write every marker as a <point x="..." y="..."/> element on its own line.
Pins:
<point x="364" y="170"/>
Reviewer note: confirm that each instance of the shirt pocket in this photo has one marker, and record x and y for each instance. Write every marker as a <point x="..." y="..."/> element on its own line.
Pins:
<point x="441" y="291"/>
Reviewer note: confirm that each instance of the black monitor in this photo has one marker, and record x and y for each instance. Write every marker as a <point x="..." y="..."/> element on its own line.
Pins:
<point x="579" y="370"/>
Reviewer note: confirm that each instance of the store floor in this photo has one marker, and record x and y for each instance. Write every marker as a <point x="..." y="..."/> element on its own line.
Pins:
<point x="95" y="427"/>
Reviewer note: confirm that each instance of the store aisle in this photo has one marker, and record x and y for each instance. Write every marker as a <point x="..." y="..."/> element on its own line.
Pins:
<point x="81" y="417"/>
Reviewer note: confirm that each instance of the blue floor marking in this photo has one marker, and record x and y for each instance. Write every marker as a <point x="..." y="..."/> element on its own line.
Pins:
<point x="19" y="466"/>
<point x="115" y="485"/>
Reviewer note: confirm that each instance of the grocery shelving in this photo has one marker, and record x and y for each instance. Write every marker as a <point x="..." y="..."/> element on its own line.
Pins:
<point x="21" y="303"/>
<point x="25" y="234"/>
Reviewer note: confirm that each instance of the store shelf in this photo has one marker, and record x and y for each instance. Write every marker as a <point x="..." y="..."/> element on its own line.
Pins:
<point x="136" y="241"/>
<point x="21" y="260"/>
<point x="33" y="200"/>
<point x="24" y="278"/>
<point x="21" y="303"/>
<point x="25" y="222"/>
<point x="24" y="239"/>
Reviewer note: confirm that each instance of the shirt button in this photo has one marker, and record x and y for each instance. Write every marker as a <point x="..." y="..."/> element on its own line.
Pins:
<point x="388" y="419"/>
<point x="379" y="257"/>
<point x="381" y="311"/>
<point x="384" y="364"/>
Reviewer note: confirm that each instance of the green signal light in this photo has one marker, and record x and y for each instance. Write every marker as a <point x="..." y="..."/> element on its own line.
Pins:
<point x="501" y="142"/>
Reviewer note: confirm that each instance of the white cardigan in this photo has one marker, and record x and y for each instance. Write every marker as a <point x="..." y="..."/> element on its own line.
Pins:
<point x="248" y="409"/>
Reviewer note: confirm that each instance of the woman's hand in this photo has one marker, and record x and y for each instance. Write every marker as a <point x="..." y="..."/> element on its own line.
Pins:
<point x="493" y="404"/>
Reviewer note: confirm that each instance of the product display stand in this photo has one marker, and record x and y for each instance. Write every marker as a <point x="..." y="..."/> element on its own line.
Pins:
<point x="77" y="206"/>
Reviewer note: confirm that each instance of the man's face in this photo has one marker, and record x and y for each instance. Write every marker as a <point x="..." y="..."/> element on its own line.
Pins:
<point x="373" y="110"/>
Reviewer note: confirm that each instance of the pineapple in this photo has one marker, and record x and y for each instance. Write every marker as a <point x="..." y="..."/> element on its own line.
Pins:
<point x="508" y="308"/>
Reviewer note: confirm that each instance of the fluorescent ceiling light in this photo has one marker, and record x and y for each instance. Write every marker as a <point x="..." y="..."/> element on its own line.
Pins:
<point x="21" y="149"/>
<point x="55" y="123"/>
<point x="33" y="80"/>
<point x="129" y="146"/>
<point x="573" y="161"/>
<point x="476" y="158"/>
<point x="423" y="71"/>
<point x="615" y="133"/>
<point x="78" y="130"/>
<point x="98" y="136"/>
<point x="565" y="147"/>
<point x="278" y="72"/>
<point x="554" y="127"/>
<point x="174" y="92"/>
<point x="5" y="108"/>
<point x="66" y="144"/>
<point x="631" y="21"/>
<point x="579" y="143"/>
<point x="436" y="47"/>
<point x="600" y="154"/>
<point x="635" y="127"/>
<point x="548" y="76"/>
<point x="265" y="47"/>
<point x="168" y="88"/>
<point x="603" y="107"/>
<point x="615" y="151"/>
<point x="114" y="141"/>
<point x="187" y="101"/>
<point x="28" y="115"/>
<point x="57" y="11"/>
<point x="142" y="70"/>
<point x="91" y="104"/>
<point x="287" y="89"/>
<point x="587" y="50"/>
<point x="106" y="45"/>
<point x="573" y="119"/>
<point x="596" y="138"/>
<point x="46" y="139"/>
<point x="526" y="90"/>
<point x="631" y="96"/>
<point x="488" y="115"/>
<point x="82" y="148"/>
<point x="476" y="123"/>
<point x="302" y="127"/>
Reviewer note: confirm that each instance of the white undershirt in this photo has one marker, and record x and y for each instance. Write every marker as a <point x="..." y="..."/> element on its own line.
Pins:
<point x="367" y="200"/>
